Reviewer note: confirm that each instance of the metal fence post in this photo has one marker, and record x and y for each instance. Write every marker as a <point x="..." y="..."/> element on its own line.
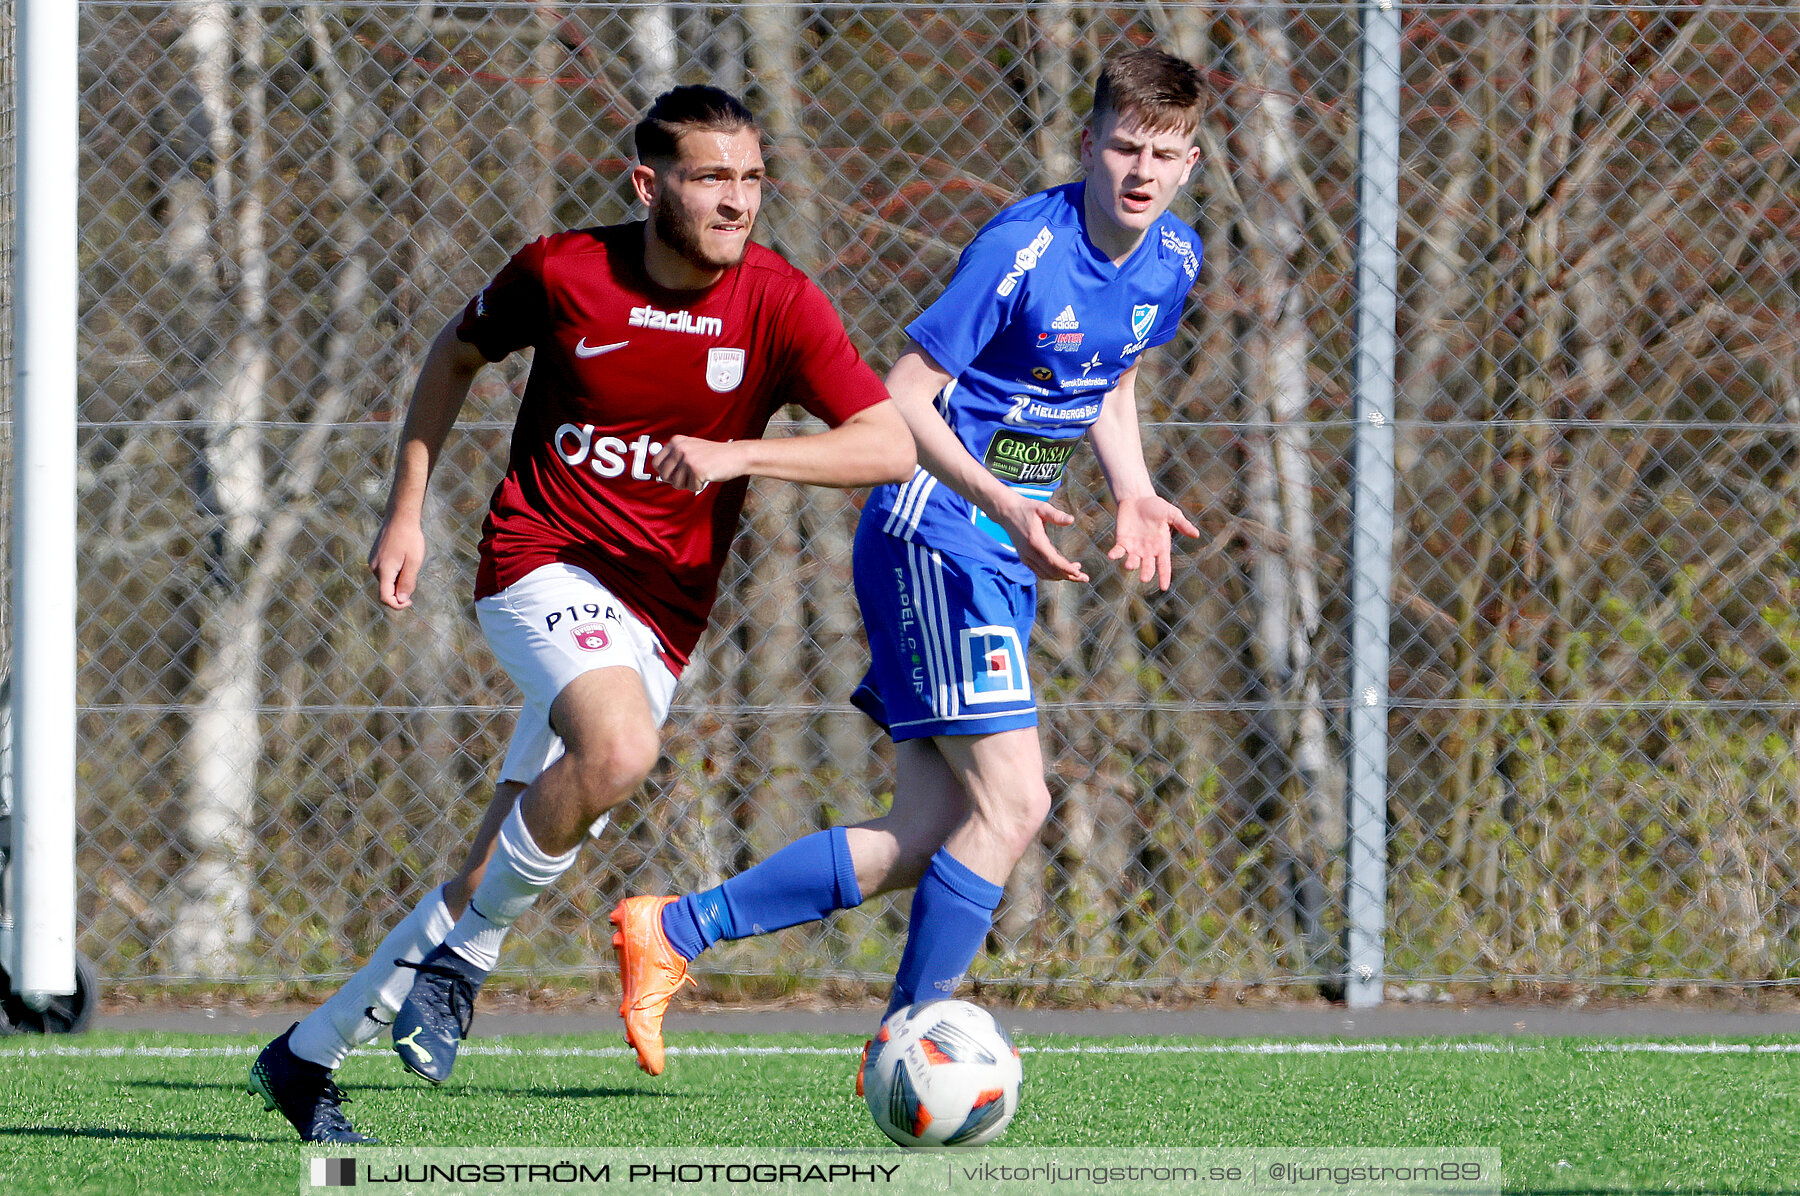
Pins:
<point x="1377" y="290"/>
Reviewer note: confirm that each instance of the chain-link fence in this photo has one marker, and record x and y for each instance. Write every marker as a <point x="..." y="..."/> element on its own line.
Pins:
<point x="1596" y="638"/>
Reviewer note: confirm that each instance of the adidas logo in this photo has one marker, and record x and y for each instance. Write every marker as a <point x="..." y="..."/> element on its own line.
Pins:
<point x="1067" y="321"/>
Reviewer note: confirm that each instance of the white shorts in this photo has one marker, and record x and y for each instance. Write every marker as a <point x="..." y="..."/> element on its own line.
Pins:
<point x="548" y="628"/>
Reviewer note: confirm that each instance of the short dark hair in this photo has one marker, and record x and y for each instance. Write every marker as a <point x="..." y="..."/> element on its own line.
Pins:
<point x="1159" y="89"/>
<point x="686" y="110"/>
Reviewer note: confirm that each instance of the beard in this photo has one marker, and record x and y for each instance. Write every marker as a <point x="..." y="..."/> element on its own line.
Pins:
<point x="680" y="235"/>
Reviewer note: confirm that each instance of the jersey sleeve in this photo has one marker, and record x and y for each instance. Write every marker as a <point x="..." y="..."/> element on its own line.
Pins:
<point x="513" y="310"/>
<point x="1182" y="244"/>
<point x="1168" y="320"/>
<point x="984" y="294"/>
<point x="824" y="372"/>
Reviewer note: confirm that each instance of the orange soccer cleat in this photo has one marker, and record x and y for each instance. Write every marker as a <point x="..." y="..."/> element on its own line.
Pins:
<point x="650" y="970"/>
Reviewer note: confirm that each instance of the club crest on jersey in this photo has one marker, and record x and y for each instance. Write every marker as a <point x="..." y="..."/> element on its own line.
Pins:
<point x="1142" y="316"/>
<point x="590" y="637"/>
<point x="724" y="369"/>
<point x="993" y="666"/>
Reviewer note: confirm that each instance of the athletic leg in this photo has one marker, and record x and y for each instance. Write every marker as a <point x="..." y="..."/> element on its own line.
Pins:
<point x="606" y="721"/>
<point x="610" y="744"/>
<point x="906" y="691"/>
<point x="828" y="870"/>
<point x="953" y="906"/>
<point x="599" y="675"/>
<point x="367" y="1002"/>
<point x="806" y="880"/>
<point x="892" y="852"/>
<point x="458" y="888"/>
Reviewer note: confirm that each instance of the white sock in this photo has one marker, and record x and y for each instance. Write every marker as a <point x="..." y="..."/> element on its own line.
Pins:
<point x="517" y="873"/>
<point x="328" y="1034"/>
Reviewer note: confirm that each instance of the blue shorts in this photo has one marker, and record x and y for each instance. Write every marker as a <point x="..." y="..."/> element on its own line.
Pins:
<point x="947" y="640"/>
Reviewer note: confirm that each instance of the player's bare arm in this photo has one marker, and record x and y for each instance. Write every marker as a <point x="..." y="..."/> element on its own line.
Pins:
<point x="915" y="382"/>
<point x="870" y="448"/>
<point x="1144" y="521"/>
<point x="444" y="380"/>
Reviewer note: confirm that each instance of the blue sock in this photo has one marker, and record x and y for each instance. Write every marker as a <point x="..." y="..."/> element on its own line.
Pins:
<point x="802" y="882"/>
<point x="952" y="911"/>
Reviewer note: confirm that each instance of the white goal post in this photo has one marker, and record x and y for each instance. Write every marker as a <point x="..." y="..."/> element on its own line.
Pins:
<point x="41" y="961"/>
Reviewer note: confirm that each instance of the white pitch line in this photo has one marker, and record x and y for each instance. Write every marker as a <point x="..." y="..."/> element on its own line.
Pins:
<point x="1695" y="1048"/>
<point x="1226" y="1048"/>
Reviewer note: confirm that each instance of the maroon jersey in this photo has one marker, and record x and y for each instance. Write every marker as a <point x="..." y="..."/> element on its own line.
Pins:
<point x="621" y="366"/>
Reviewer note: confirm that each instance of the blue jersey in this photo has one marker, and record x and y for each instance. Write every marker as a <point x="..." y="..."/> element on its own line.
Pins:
<point x="1034" y="328"/>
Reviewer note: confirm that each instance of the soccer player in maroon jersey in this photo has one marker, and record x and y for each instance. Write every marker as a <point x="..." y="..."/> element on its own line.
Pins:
<point x="662" y="349"/>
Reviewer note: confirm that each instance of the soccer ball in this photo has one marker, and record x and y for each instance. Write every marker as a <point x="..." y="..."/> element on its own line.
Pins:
<point x="942" y="1074"/>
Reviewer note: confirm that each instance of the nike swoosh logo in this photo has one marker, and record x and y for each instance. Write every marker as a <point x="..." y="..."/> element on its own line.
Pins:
<point x="583" y="349"/>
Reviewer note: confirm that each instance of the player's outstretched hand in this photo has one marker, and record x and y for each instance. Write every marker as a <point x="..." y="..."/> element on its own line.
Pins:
<point x="1024" y="520"/>
<point x="690" y="463"/>
<point x="1143" y="535"/>
<point x="395" y="560"/>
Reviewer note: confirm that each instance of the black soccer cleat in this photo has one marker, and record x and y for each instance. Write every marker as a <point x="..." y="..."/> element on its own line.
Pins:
<point x="435" y="1017"/>
<point x="304" y="1092"/>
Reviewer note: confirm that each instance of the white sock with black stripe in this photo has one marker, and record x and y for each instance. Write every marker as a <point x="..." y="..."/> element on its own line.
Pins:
<point x="517" y="873"/>
<point x="366" y="1004"/>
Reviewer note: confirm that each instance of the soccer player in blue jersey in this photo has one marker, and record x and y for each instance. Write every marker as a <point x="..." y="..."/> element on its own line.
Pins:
<point x="1033" y="347"/>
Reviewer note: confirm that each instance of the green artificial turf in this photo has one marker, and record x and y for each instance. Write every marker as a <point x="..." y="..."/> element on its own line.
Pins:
<point x="102" y="1113"/>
